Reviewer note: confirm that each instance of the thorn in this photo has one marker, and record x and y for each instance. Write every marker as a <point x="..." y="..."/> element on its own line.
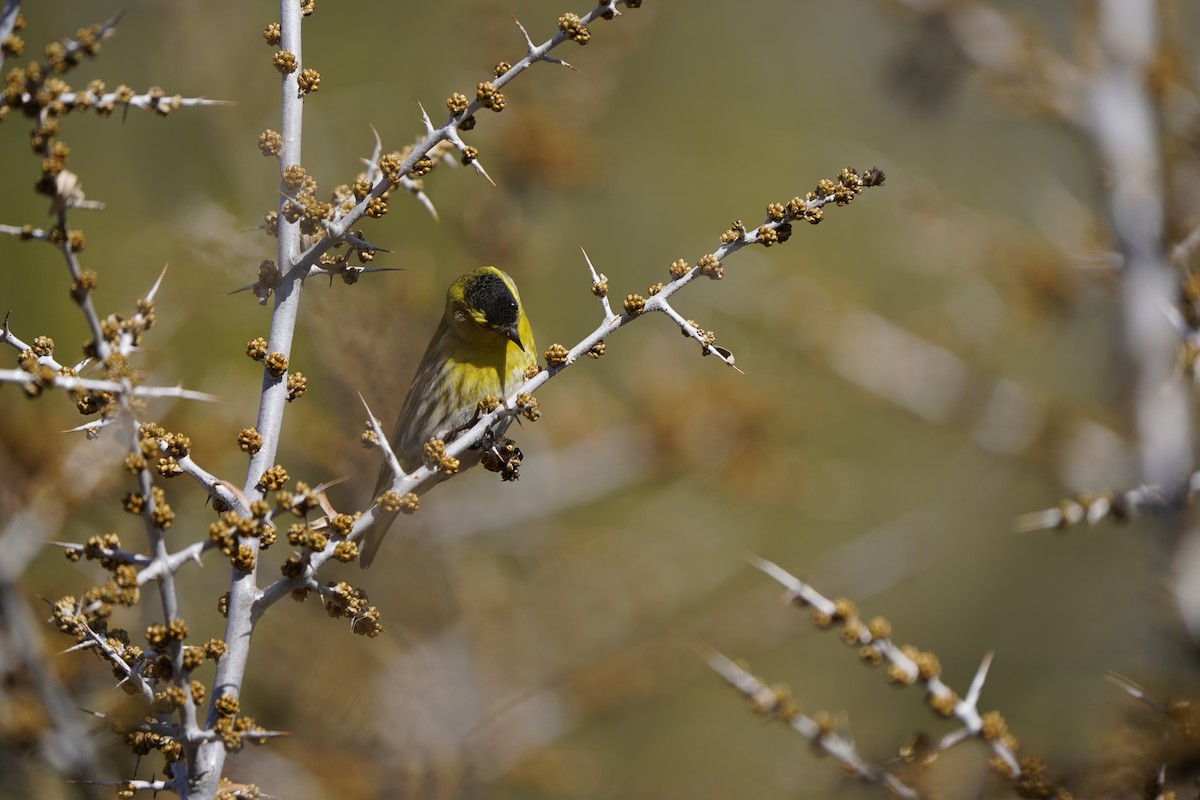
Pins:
<point x="753" y="559"/>
<point x="157" y="283"/>
<point x="425" y="118"/>
<point x="87" y="426"/>
<point x="236" y="492"/>
<point x="702" y="649"/>
<point x="734" y="367"/>
<point x="1039" y="520"/>
<point x="794" y="585"/>
<point x="1133" y="690"/>
<point x="457" y="141"/>
<point x="378" y="269"/>
<point x="528" y="41"/>
<point x="372" y="164"/>
<point x="1174" y="318"/>
<point x="329" y="484"/>
<point x="326" y="506"/>
<point x="192" y="394"/>
<point x="358" y="241"/>
<point x="587" y="258"/>
<point x="980" y="676"/>
<point x="204" y="101"/>
<point x="425" y="201"/>
<point x="270" y="735"/>
<point x="479" y="168"/>
<point x="389" y="455"/>
<point x="108" y="28"/>
<point x="245" y="288"/>
<point x="1115" y="678"/>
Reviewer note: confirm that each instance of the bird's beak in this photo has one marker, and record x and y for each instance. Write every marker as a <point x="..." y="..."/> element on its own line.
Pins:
<point x="510" y="333"/>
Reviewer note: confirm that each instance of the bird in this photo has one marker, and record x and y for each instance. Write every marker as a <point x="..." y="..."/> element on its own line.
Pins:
<point x="482" y="346"/>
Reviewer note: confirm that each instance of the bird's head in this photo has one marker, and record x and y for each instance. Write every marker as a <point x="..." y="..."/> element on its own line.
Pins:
<point x="484" y="305"/>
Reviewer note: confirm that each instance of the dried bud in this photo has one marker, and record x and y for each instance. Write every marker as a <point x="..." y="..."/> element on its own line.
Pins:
<point x="309" y="80"/>
<point x="577" y="32"/>
<point x="556" y="355"/>
<point x="276" y="364"/>
<point x="285" y="62"/>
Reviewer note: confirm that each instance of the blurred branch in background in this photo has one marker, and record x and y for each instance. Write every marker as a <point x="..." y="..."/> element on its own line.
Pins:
<point x="905" y="666"/>
<point x="1117" y="93"/>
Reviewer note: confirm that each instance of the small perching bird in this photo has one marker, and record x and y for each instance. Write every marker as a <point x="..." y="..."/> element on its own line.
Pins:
<point x="483" y="346"/>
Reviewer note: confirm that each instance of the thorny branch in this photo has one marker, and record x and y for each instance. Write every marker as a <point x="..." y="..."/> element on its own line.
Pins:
<point x="198" y="739"/>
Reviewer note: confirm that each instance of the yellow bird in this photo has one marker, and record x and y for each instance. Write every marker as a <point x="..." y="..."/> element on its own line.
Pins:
<point x="482" y="346"/>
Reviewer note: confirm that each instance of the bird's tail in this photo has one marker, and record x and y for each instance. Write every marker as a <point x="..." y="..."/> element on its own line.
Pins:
<point x="369" y="544"/>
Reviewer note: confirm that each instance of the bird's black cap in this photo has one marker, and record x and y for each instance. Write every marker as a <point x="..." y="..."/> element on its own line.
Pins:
<point x="491" y="295"/>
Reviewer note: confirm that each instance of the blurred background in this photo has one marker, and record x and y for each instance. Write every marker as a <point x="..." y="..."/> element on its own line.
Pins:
<point x="921" y="369"/>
